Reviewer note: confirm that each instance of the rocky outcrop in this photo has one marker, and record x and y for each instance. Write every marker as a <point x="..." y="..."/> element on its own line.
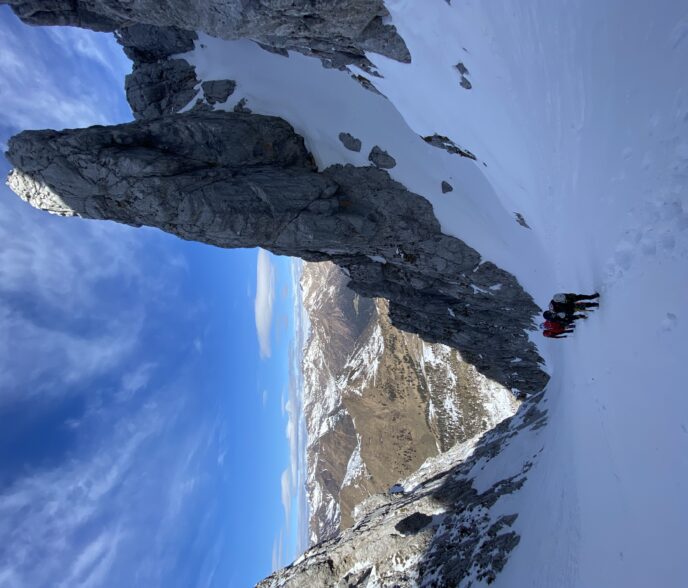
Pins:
<point x="217" y="91"/>
<point x="443" y="531"/>
<point x="446" y="187"/>
<point x="163" y="87"/>
<point x="350" y="142"/>
<point x="442" y="142"/>
<point x="240" y="180"/>
<point x="339" y="32"/>
<point x="381" y="158"/>
<point x="158" y="84"/>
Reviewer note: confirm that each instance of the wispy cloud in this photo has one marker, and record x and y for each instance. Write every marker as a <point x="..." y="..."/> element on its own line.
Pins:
<point x="265" y="297"/>
<point x="49" y="518"/>
<point x="285" y="482"/>
<point x="136" y="379"/>
<point x="277" y="551"/>
<point x="38" y="91"/>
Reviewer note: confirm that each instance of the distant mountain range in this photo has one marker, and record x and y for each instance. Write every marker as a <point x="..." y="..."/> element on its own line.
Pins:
<point x="378" y="401"/>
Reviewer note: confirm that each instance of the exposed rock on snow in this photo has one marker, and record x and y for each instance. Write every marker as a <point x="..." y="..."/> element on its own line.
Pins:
<point x="463" y="72"/>
<point x="448" y="145"/>
<point x="381" y="158"/>
<point x="239" y="180"/>
<point x="241" y="106"/>
<point x="447" y="187"/>
<point x="521" y="220"/>
<point x="217" y="91"/>
<point x="339" y="32"/>
<point x="350" y="142"/>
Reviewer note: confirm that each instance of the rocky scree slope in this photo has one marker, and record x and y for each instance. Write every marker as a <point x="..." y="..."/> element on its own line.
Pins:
<point x="378" y="401"/>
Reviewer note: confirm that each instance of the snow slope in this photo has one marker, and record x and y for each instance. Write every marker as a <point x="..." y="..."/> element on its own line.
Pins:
<point x="580" y="112"/>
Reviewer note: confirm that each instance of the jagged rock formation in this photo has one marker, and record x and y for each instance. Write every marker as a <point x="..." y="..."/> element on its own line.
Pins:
<point x="442" y="142"/>
<point x="377" y="401"/>
<point x="340" y="32"/>
<point x="157" y="85"/>
<point x="239" y="180"/>
<point x="441" y="533"/>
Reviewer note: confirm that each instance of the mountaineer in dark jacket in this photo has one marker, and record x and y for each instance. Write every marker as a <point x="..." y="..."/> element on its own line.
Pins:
<point x="569" y="303"/>
<point x="562" y="317"/>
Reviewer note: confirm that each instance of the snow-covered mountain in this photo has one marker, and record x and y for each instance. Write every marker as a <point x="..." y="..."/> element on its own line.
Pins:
<point x="378" y="401"/>
<point x="561" y="130"/>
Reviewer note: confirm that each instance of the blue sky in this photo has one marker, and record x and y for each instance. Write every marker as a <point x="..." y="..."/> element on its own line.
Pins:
<point x="149" y="406"/>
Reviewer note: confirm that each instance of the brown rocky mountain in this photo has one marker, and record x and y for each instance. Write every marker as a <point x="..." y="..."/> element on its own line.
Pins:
<point x="378" y="401"/>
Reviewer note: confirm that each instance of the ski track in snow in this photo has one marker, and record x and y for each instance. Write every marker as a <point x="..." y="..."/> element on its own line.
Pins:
<point x="578" y="115"/>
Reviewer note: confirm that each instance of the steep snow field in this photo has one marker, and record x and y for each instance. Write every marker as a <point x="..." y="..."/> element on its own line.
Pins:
<point x="579" y="111"/>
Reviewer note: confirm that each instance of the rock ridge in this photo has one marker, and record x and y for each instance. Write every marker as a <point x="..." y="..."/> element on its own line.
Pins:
<point x="339" y="32"/>
<point x="442" y="532"/>
<point x="245" y="180"/>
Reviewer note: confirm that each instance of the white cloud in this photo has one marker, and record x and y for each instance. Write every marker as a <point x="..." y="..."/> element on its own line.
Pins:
<point x="264" y="397"/>
<point x="277" y="551"/>
<point x="286" y="494"/>
<point x="265" y="296"/>
<point x="48" y="517"/>
<point x="83" y="43"/>
<point x="38" y="91"/>
<point x="94" y="562"/>
<point x="136" y="380"/>
<point x="38" y="360"/>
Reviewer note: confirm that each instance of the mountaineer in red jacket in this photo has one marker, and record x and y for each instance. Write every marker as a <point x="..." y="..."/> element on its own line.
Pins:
<point x="555" y="329"/>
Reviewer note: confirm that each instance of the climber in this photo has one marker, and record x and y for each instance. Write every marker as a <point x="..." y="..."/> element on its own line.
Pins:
<point x="556" y="329"/>
<point x="569" y="303"/>
<point x="571" y="297"/>
<point x="562" y="317"/>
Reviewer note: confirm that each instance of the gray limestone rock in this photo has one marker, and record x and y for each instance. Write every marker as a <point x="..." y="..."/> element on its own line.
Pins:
<point x="149" y="43"/>
<point x="161" y="87"/>
<point x="350" y="142"/>
<point x="217" y="91"/>
<point x="241" y="106"/>
<point x="343" y="30"/>
<point x="520" y="219"/>
<point x="367" y="84"/>
<point x="242" y="180"/>
<point x="446" y="187"/>
<point x="381" y="158"/>
<point x="442" y="142"/>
